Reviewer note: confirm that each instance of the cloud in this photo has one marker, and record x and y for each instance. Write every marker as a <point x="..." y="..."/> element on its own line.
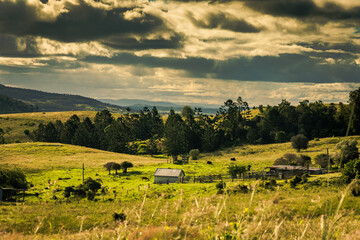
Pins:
<point x="305" y="10"/>
<point x="285" y="68"/>
<point x="347" y="46"/>
<point x="225" y="21"/>
<point x="85" y="22"/>
<point x="10" y="46"/>
<point x="301" y="9"/>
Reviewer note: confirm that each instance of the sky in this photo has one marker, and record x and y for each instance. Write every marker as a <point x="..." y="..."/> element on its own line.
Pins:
<point x="183" y="51"/>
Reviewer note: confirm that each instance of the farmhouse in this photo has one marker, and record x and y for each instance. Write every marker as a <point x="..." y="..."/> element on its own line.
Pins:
<point x="294" y="170"/>
<point x="168" y="175"/>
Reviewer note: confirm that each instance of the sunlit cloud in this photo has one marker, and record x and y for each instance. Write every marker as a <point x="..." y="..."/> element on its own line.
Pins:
<point x="183" y="51"/>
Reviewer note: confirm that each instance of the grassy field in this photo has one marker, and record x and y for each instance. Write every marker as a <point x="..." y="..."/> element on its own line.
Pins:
<point x="15" y="124"/>
<point x="319" y="209"/>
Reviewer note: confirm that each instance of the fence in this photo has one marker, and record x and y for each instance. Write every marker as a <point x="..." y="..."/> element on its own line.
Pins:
<point x="243" y="176"/>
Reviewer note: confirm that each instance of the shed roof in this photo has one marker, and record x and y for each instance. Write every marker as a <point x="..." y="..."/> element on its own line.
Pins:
<point x="288" y="167"/>
<point x="168" y="172"/>
<point x="292" y="168"/>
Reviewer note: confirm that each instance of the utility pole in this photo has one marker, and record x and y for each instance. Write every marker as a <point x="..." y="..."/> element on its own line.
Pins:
<point x="83" y="172"/>
<point x="351" y="116"/>
<point x="328" y="160"/>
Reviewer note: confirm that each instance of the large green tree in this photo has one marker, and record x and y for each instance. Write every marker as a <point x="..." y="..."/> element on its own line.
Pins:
<point x="355" y="105"/>
<point x="176" y="141"/>
<point x="299" y="142"/>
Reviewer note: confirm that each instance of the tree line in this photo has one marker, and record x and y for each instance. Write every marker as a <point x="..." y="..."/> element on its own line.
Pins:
<point x="147" y="132"/>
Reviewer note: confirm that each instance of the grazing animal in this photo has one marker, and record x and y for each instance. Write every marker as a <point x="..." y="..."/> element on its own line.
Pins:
<point x="145" y="178"/>
<point x="233" y="159"/>
<point x="209" y="162"/>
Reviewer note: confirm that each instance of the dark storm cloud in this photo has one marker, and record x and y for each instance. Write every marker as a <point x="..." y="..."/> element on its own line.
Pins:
<point x="301" y="9"/>
<point x="224" y="21"/>
<point x="143" y="43"/>
<point x="285" y="68"/>
<point x="84" y="22"/>
<point x="348" y="47"/>
<point x="10" y="46"/>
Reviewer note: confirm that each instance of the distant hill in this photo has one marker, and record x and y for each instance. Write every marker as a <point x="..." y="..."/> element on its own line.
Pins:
<point x="140" y="102"/>
<point x="52" y="102"/>
<point x="10" y="105"/>
<point x="162" y="107"/>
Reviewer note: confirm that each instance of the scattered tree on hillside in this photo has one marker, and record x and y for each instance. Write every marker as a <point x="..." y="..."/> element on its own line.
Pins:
<point x="288" y="159"/>
<point x="125" y="165"/>
<point x="194" y="154"/>
<point x="299" y="142"/>
<point x="348" y="151"/>
<point x="322" y="160"/>
<point x="305" y="161"/>
<point x="351" y="170"/>
<point x="2" y="139"/>
<point x="111" y="166"/>
<point x="235" y="170"/>
<point x="13" y="179"/>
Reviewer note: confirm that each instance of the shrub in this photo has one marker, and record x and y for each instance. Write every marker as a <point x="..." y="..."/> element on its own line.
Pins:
<point x="13" y="179"/>
<point x="68" y="191"/>
<point x="143" y="149"/>
<point x="288" y="159"/>
<point x="119" y="217"/>
<point x="304" y="160"/>
<point x="349" y="151"/>
<point x="194" y="154"/>
<point x="304" y="178"/>
<point x="299" y="142"/>
<point x="355" y="190"/>
<point x="322" y="160"/>
<point x="241" y="188"/>
<point x="268" y="184"/>
<point x="90" y="195"/>
<point x="295" y="181"/>
<point x="220" y="187"/>
<point x="351" y="170"/>
<point x="234" y="170"/>
<point x="91" y="184"/>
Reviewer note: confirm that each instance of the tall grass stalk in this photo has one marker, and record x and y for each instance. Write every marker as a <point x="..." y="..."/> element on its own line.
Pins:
<point x="337" y="214"/>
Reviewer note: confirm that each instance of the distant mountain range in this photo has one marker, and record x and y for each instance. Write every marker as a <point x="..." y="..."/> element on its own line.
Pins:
<point x="163" y="107"/>
<point x="51" y="102"/>
<point x="16" y="100"/>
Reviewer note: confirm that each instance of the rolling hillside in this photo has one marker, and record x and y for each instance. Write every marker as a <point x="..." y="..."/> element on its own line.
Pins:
<point x="15" y="124"/>
<point x="52" y="102"/>
<point x="10" y="105"/>
<point x="189" y="210"/>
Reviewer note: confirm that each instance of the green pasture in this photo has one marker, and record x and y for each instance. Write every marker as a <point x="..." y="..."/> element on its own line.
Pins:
<point x="321" y="207"/>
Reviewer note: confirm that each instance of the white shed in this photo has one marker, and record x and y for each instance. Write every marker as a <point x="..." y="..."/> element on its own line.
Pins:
<point x="168" y="175"/>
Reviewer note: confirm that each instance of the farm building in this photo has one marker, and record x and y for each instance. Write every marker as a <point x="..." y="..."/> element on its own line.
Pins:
<point x="168" y="175"/>
<point x="295" y="170"/>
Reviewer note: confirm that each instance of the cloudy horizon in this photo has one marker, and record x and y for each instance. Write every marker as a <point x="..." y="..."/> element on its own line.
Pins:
<point x="183" y="51"/>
